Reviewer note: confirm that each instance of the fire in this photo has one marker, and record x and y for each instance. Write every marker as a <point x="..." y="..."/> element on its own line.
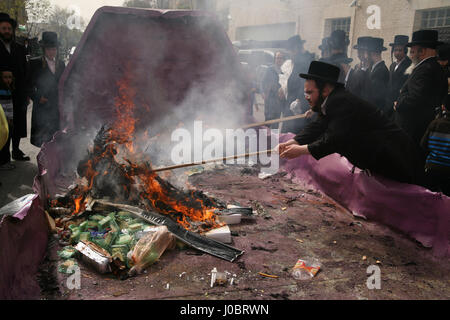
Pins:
<point x="120" y="149"/>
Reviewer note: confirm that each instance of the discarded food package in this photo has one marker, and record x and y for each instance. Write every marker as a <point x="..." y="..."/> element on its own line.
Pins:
<point x="94" y="256"/>
<point x="67" y="266"/>
<point x="150" y="248"/>
<point x="67" y="252"/>
<point x="305" y="269"/>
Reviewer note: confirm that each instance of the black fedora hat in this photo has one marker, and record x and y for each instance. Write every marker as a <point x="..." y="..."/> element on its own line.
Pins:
<point x="4" y="17"/>
<point x="323" y="71"/>
<point x="339" y="39"/>
<point x="425" y="38"/>
<point x="325" y="44"/>
<point x="400" y="40"/>
<point x="363" y="43"/>
<point x="49" y="39"/>
<point x="295" y="41"/>
<point x="444" y="52"/>
<point x="376" y="45"/>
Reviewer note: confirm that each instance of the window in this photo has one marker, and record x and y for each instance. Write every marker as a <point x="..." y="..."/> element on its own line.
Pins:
<point x="337" y="24"/>
<point x="435" y="18"/>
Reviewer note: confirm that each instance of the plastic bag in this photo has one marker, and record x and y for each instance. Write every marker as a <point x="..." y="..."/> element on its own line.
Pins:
<point x="306" y="269"/>
<point x="4" y="129"/>
<point x="150" y="248"/>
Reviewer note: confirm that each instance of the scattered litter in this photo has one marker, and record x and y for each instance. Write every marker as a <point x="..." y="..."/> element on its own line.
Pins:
<point x="150" y="248"/>
<point x="267" y="275"/>
<point x="213" y="276"/>
<point x="283" y="209"/>
<point x="264" y="175"/>
<point x="364" y="258"/>
<point x="182" y="274"/>
<point x="94" y="256"/>
<point x="378" y="262"/>
<point x="260" y="211"/>
<point x="66" y="265"/>
<point x="195" y="171"/>
<point x="168" y="286"/>
<point x="334" y="242"/>
<point x="222" y="234"/>
<point x="218" y="278"/>
<point x="299" y="240"/>
<point x="305" y="269"/>
<point x="67" y="252"/>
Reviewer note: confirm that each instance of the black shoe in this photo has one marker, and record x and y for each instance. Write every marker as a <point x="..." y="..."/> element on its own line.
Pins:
<point x="20" y="156"/>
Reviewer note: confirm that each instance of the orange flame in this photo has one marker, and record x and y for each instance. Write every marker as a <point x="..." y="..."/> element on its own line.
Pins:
<point x="122" y="140"/>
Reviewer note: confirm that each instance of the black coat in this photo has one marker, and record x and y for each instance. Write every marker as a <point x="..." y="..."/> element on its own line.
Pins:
<point x="397" y="79"/>
<point x="16" y="60"/>
<point x="358" y="83"/>
<point x="360" y="132"/>
<point x="424" y="91"/>
<point x="379" y="86"/>
<point x="296" y="89"/>
<point x="273" y="105"/>
<point x="43" y="83"/>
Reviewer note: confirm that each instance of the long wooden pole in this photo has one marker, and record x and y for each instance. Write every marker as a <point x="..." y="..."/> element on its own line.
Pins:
<point x="185" y="165"/>
<point x="258" y="124"/>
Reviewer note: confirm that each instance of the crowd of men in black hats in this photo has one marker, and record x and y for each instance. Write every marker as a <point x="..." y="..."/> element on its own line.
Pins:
<point x="23" y="80"/>
<point x="390" y="121"/>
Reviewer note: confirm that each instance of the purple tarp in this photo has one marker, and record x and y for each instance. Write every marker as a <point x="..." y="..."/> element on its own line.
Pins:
<point x="411" y="209"/>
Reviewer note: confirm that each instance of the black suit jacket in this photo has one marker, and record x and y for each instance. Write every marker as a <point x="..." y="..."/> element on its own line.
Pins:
<point x="397" y="79"/>
<point x="16" y="60"/>
<point x="423" y="92"/>
<point x="359" y="131"/>
<point x="357" y="83"/>
<point x="43" y="83"/>
<point x="378" y="86"/>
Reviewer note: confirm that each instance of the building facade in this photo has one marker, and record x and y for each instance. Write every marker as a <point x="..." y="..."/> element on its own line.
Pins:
<point x="316" y="19"/>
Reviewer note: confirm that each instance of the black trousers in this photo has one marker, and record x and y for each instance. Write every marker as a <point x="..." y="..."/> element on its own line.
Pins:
<point x="438" y="182"/>
<point x="5" y="154"/>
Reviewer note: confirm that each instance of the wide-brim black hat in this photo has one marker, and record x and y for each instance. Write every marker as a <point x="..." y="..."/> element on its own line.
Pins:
<point x="325" y="44"/>
<point x="323" y="71"/>
<point x="376" y="45"/>
<point x="295" y="41"/>
<point x="49" y="40"/>
<point x="444" y="52"/>
<point x="339" y="40"/>
<point x="425" y="38"/>
<point x="4" y="17"/>
<point x="363" y="43"/>
<point x="400" y="40"/>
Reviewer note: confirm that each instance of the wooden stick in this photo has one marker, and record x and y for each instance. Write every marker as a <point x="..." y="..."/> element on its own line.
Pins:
<point x="258" y="124"/>
<point x="212" y="160"/>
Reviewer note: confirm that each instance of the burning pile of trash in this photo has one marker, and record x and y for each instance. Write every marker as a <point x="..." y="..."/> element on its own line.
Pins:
<point x="120" y="215"/>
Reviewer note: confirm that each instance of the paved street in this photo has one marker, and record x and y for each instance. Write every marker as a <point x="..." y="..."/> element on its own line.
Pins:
<point x="19" y="182"/>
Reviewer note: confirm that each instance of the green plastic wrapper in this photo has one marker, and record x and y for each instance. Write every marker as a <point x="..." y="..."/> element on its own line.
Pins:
<point x="64" y="267"/>
<point x="102" y="224"/>
<point x="67" y="252"/>
<point x="85" y="236"/>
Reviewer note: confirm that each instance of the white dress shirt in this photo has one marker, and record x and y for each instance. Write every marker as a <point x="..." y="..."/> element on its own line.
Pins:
<point x="51" y="64"/>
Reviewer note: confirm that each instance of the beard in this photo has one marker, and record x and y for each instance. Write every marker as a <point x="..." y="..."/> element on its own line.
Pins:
<point x="318" y="106"/>
<point x="6" y="37"/>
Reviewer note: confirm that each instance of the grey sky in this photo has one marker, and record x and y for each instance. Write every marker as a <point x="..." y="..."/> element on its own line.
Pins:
<point x="87" y="7"/>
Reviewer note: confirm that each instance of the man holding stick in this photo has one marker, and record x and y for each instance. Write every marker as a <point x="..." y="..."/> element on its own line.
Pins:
<point x="353" y="128"/>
